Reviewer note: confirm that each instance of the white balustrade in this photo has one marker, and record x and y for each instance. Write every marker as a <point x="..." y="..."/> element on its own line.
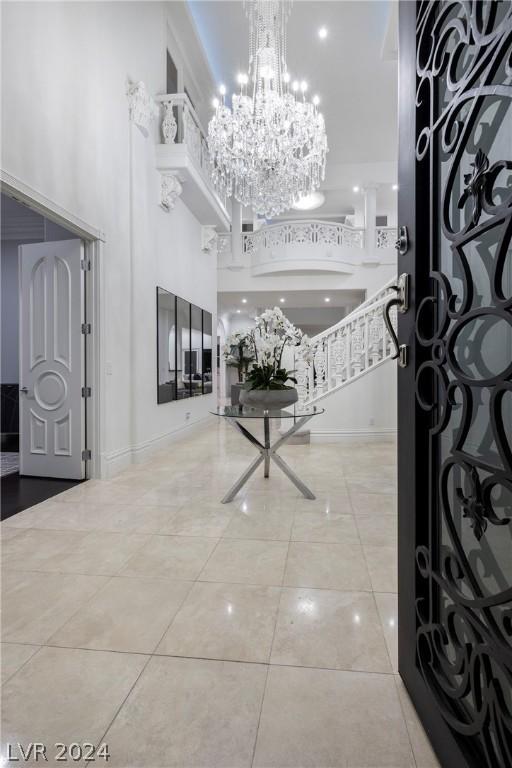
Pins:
<point x="386" y="237"/>
<point x="180" y="124"/>
<point x="302" y="233"/>
<point x="349" y="349"/>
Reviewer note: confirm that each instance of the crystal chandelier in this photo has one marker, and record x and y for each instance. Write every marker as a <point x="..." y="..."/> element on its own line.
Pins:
<point x="269" y="148"/>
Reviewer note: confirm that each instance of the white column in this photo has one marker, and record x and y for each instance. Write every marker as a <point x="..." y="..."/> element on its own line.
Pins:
<point x="370" y="213"/>
<point x="236" y="231"/>
<point x="359" y="210"/>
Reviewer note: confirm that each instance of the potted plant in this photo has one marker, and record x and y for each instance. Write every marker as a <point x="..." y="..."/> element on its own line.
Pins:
<point x="238" y="354"/>
<point x="267" y="380"/>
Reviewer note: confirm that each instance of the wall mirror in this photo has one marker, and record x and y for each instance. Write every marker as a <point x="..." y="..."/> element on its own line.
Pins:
<point x="207" y="352"/>
<point x="184" y="348"/>
<point x="166" y="329"/>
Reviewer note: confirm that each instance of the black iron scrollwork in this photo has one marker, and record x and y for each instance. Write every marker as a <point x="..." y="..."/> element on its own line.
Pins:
<point x="475" y="508"/>
<point x="464" y="605"/>
<point x="480" y="186"/>
<point x="475" y="186"/>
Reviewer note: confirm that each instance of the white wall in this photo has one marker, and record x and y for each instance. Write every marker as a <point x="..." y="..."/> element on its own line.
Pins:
<point x="66" y="133"/>
<point x="364" y="406"/>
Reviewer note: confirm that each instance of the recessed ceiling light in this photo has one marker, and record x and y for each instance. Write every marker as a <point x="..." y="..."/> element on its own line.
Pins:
<point x="322" y="33"/>
<point x="238" y="311"/>
<point x="282" y="301"/>
<point x="309" y="202"/>
<point x="327" y="299"/>
<point x="244" y="301"/>
<point x="355" y="189"/>
<point x="394" y="187"/>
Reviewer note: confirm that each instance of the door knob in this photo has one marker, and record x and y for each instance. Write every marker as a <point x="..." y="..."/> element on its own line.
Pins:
<point x="401" y="302"/>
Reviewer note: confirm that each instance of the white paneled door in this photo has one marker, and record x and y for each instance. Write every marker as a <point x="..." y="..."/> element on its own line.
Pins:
<point x="51" y="359"/>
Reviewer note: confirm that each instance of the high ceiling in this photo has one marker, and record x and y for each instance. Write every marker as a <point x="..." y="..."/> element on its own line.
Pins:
<point x="251" y="301"/>
<point x="357" y="83"/>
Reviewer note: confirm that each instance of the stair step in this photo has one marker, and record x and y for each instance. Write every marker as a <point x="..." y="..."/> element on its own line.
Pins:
<point x="302" y="437"/>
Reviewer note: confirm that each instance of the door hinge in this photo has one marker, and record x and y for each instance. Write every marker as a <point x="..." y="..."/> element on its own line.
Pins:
<point x="85" y="265"/>
<point x="86" y="328"/>
<point x="86" y="455"/>
<point x="86" y="392"/>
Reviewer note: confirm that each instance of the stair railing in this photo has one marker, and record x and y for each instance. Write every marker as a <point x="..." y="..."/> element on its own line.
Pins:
<point x="347" y="350"/>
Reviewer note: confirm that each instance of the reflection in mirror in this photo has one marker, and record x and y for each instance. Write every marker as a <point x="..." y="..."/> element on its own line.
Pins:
<point x="193" y="368"/>
<point x="166" y="345"/>
<point x="183" y="348"/>
<point x="207" y="352"/>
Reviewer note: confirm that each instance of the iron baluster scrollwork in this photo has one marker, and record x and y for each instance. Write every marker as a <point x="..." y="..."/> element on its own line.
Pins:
<point x="464" y="379"/>
<point x="479" y="186"/>
<point x="475" y="508"/>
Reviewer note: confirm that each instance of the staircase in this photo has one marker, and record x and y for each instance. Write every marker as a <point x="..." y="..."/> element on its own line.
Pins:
<point x="347" y="351"/>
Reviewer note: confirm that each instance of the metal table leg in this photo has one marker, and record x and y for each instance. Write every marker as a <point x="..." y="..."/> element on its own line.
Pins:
<point x="268" y="452"/>
<point x="266" y="424"/>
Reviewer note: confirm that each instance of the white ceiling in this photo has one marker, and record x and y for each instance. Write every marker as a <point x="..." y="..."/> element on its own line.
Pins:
<point x="356" y="82"/>
<point x="230" y="302"/>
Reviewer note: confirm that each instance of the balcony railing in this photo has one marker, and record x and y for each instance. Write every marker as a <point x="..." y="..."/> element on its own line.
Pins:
<point x="305" y="244"/>
<point x="386" y="237"/>
<point x="181" y="125"/>
<point x="302" y="233"/>
<point x="183" y="145"/>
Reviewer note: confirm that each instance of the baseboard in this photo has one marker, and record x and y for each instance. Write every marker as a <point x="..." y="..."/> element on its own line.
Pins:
<point x="143" y="450"/>
<point x="113" y="463"/>
<point x="386" y="434"/>
<point x="117" y="461"/>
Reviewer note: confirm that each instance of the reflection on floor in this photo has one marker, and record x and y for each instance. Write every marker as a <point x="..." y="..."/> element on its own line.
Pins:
<point x="9" y="463"/>
<point x="19" y="493"/>
<point x="142" y="613"/>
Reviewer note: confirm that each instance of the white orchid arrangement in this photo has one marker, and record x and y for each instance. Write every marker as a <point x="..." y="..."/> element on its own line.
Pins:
<point x="273" y="332"/>
<point x="238" y="351"/>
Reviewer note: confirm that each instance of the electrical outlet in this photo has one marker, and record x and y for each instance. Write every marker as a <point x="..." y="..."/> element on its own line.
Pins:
<point x="187" y="416"/>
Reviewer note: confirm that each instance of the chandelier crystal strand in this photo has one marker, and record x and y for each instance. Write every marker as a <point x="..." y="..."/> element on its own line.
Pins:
<point x="269" y="149"/>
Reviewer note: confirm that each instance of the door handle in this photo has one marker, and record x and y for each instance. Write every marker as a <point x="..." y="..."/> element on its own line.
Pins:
<point x="402" y="243"/>
<point x="401" y="302"/>
<point x="24" y="390"/>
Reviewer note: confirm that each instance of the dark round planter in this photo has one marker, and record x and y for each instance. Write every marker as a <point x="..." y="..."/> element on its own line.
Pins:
<point x="269" y="399"/>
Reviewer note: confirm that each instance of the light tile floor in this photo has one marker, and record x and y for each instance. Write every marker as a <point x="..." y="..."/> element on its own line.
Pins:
<point x="144" y="614"/>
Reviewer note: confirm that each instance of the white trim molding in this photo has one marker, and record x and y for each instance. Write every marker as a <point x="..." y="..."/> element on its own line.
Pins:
<point x="341" y="435"/>
<point x="23" y="193"/>
<point x="116" y="461"/>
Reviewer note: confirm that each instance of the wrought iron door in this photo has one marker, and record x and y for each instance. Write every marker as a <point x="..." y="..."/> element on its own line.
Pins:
<point x="455" y="386"/>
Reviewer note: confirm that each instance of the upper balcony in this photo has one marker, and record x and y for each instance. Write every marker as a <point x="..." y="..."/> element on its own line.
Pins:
<point x="183" y="153"/>
<point x="307" y="246"/>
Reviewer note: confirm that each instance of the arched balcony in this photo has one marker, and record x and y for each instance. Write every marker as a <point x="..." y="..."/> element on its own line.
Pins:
<point x="311" y="246"/>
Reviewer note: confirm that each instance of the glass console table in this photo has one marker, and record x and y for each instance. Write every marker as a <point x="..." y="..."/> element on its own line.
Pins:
<point x="296" y="418"/>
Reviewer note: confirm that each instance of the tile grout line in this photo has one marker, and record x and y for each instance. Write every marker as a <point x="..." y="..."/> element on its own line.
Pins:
<point x="402" y="710"/>
<point x="203" y="581"/>
<point x="214" y="659"/>
<point x="32" y="645"/>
